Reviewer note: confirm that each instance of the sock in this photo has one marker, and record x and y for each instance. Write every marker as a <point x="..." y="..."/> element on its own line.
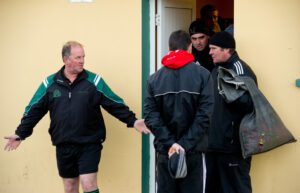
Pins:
<point x="95" y="191"/>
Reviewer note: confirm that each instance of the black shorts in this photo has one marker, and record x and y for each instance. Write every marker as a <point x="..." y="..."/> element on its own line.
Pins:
<point x="76" y="159"/>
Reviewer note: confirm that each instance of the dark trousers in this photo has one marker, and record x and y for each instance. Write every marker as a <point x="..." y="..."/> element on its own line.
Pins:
<point x="227" y="173"/>
<point x="192" y="183"/>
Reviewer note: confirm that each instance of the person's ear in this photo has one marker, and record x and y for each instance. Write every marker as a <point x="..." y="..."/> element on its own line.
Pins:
<point x="227" y="50"/>
<point x="65" y="59"/>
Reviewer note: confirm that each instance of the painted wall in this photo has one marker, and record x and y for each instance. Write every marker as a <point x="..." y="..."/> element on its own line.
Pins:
<point x="32" y="34"/>
<point x="267" y="35"/>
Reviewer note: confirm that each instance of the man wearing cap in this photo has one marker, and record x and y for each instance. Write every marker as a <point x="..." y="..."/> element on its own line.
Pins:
<point x="227" y="170"/>
<point x="200" y="35"/>
<point x="177" y="108"/>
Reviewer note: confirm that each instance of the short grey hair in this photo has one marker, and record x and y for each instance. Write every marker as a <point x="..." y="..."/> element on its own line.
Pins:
<point x="66" y="50"/>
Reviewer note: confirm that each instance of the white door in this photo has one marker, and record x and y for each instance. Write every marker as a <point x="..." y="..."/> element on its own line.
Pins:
<point x="172" y="15"/>
<point x="166" y="16"/>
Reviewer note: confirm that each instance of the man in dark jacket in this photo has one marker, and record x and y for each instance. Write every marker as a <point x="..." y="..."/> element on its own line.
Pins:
<point x="200" y="35"/>
<point x="227" y="171"/>
<point x="73" y="97"/>
<point x="177" y="109"/>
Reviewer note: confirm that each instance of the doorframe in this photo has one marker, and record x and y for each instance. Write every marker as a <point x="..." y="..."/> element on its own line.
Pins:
<point x="150" y="9"/>
<point x="148" y="67"/>
<point x="145" y="74"/>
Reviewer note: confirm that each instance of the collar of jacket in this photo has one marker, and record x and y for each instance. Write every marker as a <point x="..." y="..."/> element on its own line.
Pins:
<point x="177" y="59"/>
<point x="233" y="58"/>
<point x="62" y="79"/>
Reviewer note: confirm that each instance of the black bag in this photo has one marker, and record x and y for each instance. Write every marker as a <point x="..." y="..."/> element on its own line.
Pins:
<point x="262" y="130"/>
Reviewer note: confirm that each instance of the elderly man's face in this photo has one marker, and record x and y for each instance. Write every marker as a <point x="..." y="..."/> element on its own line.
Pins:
<point x="74" y="64"/>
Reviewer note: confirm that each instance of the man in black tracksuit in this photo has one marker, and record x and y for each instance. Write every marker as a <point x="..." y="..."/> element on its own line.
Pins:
<point x="177" y="109"/>
<point x="227" y="171"/>
<point x="73" y="97"/>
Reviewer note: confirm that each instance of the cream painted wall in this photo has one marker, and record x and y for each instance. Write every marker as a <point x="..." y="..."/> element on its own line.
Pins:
<point x="32" y="34"/>
<point x="267" y="34"/>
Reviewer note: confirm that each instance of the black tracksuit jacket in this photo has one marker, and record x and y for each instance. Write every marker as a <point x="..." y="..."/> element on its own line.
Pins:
<point x="203" y="58"/>
<point x="226" y="118"/>
<point x="74" y="108"/>
<point x="177" y="107"/>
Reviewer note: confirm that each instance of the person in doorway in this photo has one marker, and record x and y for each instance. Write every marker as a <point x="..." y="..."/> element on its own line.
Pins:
<point x="73" y="97"/>
<point x="227" y="170"/>
<point x="200" y="35"/>
<point x="177" y="109"/>
<point x="209" y="16"/>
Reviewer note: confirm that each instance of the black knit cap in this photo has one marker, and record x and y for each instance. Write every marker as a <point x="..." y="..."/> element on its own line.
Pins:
<point x="197" y="27"/>
<point x="222" y="39"/>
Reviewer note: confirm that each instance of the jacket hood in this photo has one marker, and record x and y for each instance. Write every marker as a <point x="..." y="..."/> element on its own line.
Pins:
<point x="176" y="59"/>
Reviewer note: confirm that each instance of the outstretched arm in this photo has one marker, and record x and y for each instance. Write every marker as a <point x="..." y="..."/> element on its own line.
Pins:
<point x="13" y="142"/>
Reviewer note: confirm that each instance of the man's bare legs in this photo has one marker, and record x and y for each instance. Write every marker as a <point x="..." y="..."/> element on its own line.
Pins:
<point x="88" y="183"/>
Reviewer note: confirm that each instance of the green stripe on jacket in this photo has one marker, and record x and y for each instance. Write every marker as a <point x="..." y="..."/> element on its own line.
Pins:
<point x="103" y="87"/>
<point x="41" y="91"/>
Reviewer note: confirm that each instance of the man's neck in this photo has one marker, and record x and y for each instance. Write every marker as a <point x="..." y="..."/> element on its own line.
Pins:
<point x="70" y="76"/>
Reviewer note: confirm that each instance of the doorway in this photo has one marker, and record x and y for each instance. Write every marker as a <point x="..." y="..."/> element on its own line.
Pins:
<point x="160" y="19"/>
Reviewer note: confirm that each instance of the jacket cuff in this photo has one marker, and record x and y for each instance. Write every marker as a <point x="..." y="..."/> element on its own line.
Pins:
<point x="22" y="137"/>
<point x="131" y="122"/>
<point x="184" y="145"/>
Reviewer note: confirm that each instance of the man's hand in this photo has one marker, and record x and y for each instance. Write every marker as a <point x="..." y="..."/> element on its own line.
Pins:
<point x="13" y="142"/>
<point x="175" y="149"/>
<point x="140" y="126"/>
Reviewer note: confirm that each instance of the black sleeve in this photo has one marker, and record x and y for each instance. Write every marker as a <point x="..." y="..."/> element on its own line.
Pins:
<point x="244" y="103"/>
<point x="154" y="121"/>
<point x="201" y="123"/>
<point x="34" y="112"/>
<point x="114" y="105"/>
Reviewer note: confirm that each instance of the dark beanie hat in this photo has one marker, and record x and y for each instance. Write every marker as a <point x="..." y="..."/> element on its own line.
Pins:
<point x="222" y="39"/>
<point x="198" y="27"/>
<point x="177" y="165"/>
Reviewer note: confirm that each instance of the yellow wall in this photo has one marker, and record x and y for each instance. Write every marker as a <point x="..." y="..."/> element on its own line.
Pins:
<point x="32" y="34"/>
<point x="267" y="34"/>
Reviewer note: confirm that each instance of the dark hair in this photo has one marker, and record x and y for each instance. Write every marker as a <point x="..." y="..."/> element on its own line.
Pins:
<point x="231" y="50"/>
<point x="197" y="27"/>
<point x="179" y="40"/>
<point x="207" y="8"/>
<point x="66" y="50"/>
